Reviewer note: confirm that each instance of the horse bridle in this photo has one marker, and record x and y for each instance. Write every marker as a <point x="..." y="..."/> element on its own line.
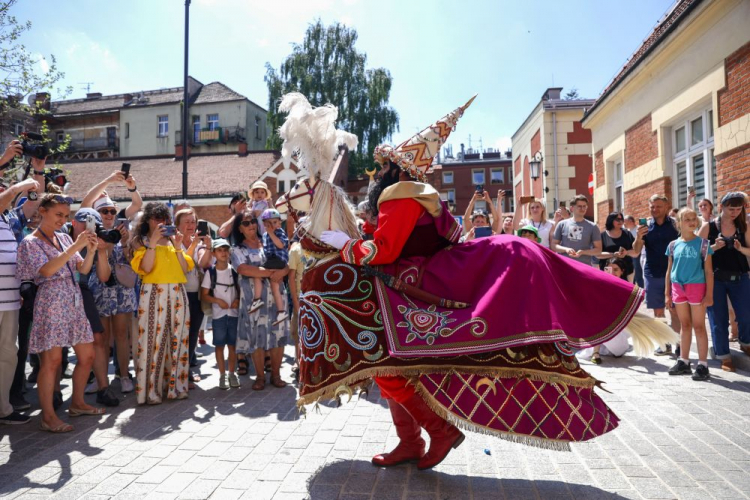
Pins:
<point x="310" y="192"/>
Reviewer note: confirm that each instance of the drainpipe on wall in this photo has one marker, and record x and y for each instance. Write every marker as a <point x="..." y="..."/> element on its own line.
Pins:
<point x="554" y="151"/>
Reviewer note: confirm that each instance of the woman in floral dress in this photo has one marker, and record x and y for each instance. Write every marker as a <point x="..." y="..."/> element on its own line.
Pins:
<point x="255" y="333"/>
<point x="50" y="258"/>
<point x="163" y="315"/>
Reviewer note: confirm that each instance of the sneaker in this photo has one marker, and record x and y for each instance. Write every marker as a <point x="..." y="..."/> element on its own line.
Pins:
<point x="701" y="372"/>
<point x="234" y="380"/>
<point x="19" y="403"/>
<point x="126" y="385"/>
<point x="223" y="382"/>
<point x="257" y="304"/>
<point x="677" y="350"/>
<point x="663" y="352"/>
<point x="15" y="418"/>
<point x="680" y="368"/>
<point x="280" y="317"/>
<point x="92" y="388"/>
<point x="106" y="398"/>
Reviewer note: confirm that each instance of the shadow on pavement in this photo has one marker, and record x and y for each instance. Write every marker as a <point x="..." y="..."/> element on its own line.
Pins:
<point x="352" y="478"/>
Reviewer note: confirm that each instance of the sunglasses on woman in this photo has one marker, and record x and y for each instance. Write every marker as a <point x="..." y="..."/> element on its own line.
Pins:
<point x="248" y="222"/>
<point x="105" y="211"/>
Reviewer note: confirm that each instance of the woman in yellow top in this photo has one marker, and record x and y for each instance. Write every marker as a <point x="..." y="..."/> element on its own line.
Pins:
<point x="163" y="315"/>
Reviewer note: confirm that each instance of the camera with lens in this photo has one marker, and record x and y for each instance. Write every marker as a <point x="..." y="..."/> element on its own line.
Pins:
<point x="106" y="235"/>
<point x="33" y="145"/>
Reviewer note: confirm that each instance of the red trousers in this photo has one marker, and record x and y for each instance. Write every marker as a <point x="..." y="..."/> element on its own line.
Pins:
<point x="395" y="387"/>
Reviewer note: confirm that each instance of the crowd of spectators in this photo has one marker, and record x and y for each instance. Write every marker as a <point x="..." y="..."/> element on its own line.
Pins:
<point x="143" y="282"/>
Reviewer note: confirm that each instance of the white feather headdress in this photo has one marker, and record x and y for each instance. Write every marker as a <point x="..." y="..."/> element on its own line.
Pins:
<point x="312" y="134"/>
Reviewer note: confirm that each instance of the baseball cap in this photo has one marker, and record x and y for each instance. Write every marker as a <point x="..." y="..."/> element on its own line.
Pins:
<point x="530" y="229"/>
<point x="221" y="242"/>
<point x="83" y="214"/>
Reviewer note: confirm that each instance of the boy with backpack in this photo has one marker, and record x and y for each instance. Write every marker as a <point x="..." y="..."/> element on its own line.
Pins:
<point x="221" y="288"/>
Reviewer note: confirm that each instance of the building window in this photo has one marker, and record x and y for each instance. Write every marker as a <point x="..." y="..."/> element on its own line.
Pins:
<point x="213" y="121"/>
<point x="60" y="135"/>
<point x="618" y="175"/>
<point x="477" y="177"/>
<point x="18" y="128"/>
<point x="679" y="140"/>
<point x="511" y="202"/>
<point x="451" y="196"/>
<point x="127" y="130"/>
<point x="196" y="129"/>
<point x="480" y="206"/>
<point x="282" y="187"/>
<point x="447" y="177"/>
<point x="257" y="127"/>
<point x="163" y="126"/>
<point x="497" y="176"/>
<point x="694" y="165"/>
<point x="285" y="180"/>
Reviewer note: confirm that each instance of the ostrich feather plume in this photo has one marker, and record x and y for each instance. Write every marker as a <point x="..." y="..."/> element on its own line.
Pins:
<point x="311" y="134"/>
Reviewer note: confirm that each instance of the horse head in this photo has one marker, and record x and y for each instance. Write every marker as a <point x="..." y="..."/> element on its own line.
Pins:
<point x="327" y="207"/>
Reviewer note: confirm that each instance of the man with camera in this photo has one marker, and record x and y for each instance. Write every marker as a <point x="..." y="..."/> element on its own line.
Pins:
<point x="476" y="222"/>
<point x="12" y="222"/>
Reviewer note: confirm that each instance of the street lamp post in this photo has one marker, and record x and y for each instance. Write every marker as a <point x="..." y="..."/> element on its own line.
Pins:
<point x="185" y="115"/>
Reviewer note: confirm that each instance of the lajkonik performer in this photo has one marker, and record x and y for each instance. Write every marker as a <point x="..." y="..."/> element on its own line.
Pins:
<point x="477" y="335"/>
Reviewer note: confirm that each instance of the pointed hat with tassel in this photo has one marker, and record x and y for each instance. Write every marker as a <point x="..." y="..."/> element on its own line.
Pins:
<point x="415" y="155"/>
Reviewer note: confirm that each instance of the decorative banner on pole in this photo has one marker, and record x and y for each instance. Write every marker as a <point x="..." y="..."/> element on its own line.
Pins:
<point x="591" y="184"/>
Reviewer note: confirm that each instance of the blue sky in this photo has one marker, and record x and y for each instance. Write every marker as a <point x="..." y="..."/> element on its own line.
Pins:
<point x="439" y="52"/>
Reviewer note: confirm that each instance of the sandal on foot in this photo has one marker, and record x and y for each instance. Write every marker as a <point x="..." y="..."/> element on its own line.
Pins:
<point x="277" y="382"/>
<point x="260" y="384"/>
<point x="596" y="359"/>
<point x="63" y="427"/>
<point x="77" y="412"/>
<point x="242" y="366"/>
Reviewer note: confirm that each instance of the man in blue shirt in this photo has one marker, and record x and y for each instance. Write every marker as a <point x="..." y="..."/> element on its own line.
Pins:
<point x="656" y="236"/>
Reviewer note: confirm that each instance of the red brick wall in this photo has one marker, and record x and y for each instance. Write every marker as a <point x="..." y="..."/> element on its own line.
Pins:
<point x="603" y="209"/>
<point x="640" y="144"/>
<point x="636" y="200"/>
<point x="517" y="167"/>
<point x="217" y="214"/>
<point x="526" y="177"/>
<point x="579" y="135"/>
<point x="734" y="99"/>
<point x="536" y="142"/>
<point x="463" y="184"/>
<point x="580" y="182"/>
<point x="599" y="167"/>
<point x="733" y="171"/>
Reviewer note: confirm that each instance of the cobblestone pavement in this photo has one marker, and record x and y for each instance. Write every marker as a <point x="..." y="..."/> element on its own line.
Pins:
<point x="677" y="439"/>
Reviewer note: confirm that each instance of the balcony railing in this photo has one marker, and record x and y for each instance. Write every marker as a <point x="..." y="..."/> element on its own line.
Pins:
<point x="223" y="135"/>
<point x="92" y="144"/>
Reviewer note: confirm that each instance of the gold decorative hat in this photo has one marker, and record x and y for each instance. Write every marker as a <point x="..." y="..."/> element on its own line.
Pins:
<point x="415" y="155"/>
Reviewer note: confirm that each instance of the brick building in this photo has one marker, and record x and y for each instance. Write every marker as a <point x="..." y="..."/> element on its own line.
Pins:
<point x="213" y="178"/>
<point x="553" y="134"/>
<point x="678" y="113"/>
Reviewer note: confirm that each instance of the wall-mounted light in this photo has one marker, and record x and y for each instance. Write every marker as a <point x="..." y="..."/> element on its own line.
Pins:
<point x="535" y="165"/>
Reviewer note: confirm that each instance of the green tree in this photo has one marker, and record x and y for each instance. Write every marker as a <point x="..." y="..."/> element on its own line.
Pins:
<point x="572" y="94"/>
<point x="327" y="68"/>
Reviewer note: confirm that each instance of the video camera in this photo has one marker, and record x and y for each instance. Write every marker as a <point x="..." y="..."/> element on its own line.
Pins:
<point x="106" y="235"/>
<point x="33" y="145"/>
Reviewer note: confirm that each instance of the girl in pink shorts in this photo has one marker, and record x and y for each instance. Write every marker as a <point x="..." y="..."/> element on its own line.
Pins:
<point x="690" y="288"/>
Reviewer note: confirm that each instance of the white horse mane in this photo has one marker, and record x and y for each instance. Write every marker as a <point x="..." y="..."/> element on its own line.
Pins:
<point x="330" y="210"/>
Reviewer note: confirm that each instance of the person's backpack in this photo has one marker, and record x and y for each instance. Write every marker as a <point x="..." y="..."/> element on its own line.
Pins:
<point x="212" y="276"/>
<point x="704" y="248"/>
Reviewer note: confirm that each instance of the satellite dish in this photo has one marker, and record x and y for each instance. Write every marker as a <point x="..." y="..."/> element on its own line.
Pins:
<point x="31" y="99"/>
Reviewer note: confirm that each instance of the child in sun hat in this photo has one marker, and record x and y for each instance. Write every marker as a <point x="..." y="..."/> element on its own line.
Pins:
<point x="530" y="233"/>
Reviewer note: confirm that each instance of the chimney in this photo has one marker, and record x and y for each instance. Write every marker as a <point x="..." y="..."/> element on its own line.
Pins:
<point x="242" y="149"/>
<point x="41" y="100"/>
<point x="552" y="94"/>
<point x="93" y="95"/>
<point x="463" y="152"/>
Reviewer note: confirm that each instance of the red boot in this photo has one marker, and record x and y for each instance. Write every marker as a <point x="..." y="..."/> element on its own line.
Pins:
<point x="411" y="447"/>
<point x="443" y="434"/>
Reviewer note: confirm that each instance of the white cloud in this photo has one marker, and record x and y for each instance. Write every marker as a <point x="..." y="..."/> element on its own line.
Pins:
<point x="263" y="42"/>
<point x="43" y="64"/>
